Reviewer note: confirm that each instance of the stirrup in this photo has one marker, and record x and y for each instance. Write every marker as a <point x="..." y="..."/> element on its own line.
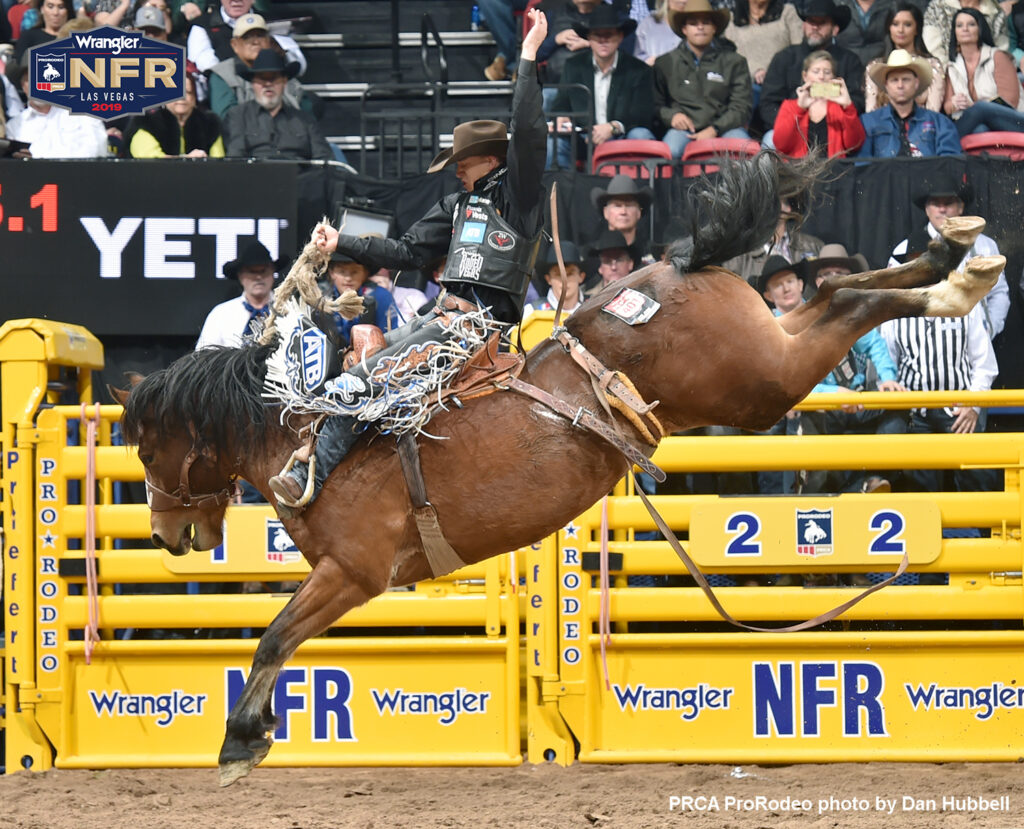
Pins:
<point x="307" y="493"/>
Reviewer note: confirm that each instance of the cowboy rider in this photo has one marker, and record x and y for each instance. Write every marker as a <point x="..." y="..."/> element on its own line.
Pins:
<point x="489" y="232"/>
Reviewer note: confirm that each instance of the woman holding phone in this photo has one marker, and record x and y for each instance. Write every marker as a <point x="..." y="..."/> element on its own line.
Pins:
<point x="903" y="26"/>
<point x="983" y="92"/>
<point x="821" y="115"/>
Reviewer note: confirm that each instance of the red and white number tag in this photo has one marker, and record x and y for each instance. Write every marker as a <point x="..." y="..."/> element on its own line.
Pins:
<point x="632" y="307"/>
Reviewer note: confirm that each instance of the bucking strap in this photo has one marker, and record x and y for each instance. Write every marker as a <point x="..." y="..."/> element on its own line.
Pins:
<point x="585" y="419"/>
<point x="440" y="555"/>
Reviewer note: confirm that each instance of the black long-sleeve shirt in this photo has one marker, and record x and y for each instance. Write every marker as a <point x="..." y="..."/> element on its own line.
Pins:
<point x="515" y="188"/>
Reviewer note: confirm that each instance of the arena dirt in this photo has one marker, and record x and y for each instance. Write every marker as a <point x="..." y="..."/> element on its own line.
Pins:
<point x="538" y="797"/>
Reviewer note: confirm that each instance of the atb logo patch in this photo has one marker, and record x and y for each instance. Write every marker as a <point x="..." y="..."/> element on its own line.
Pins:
<point x="280" y="547"/>
<point x="473" y="232"/>
<point x="500" y="240"/>
<point x="107" y="73"/>
<point x="314" y="358"/>
<point x="814" y="532"/>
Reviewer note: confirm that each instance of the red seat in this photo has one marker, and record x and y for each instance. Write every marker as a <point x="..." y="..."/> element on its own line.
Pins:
<point x="708" y="148"/>
<point x="635" y="158"/>
<point x="1005" y="144"/>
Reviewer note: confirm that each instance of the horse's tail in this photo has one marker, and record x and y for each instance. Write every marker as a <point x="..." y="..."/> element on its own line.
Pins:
<point x="737" y="210"/>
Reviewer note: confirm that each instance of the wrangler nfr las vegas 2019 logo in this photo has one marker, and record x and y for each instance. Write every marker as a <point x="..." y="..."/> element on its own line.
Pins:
<point x="107" y="73"/>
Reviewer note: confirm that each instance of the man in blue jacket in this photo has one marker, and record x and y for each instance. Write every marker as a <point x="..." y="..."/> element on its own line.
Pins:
<point x="903" y="128"/>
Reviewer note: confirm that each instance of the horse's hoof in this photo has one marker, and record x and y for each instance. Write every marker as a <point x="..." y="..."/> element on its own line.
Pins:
<point x="235" y="770"/>
<point x="962" y="230"/>
<point x="985" y="269"/>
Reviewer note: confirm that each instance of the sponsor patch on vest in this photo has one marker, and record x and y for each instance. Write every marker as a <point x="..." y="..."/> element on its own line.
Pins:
<point x="632" y="307"/>
<point x="476" y="215"/>
<point x="470" y="263"/>
<point x="814" y="532"/>
<point x="501" y="240"/>
<point x="473" y="232"/>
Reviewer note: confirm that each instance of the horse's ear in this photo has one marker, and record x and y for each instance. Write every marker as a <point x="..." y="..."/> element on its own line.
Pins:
<point x="120" y="395"/>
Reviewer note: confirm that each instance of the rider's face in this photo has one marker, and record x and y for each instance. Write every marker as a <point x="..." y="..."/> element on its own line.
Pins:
<point x="473" y="168"/>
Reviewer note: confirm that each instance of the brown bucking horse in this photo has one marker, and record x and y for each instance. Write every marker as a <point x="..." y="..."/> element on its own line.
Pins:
<point x="712" y="354"/>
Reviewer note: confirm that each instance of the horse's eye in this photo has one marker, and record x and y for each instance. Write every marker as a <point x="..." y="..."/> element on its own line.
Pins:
<point x="146" y="459"/>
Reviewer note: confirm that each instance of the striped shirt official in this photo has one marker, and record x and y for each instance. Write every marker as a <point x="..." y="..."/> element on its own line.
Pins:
<point x="942" y="353"/>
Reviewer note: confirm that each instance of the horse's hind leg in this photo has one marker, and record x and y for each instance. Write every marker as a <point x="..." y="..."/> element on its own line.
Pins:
<point x="942" y="257"/>
<point x="852" y="313"/>
<point x="324" y="596"/>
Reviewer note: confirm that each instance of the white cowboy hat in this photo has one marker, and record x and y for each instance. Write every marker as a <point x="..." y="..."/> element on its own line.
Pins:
<point x="901" y="59"/>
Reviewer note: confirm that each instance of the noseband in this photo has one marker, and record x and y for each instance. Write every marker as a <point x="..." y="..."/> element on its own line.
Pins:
<point x="161" y="501"/>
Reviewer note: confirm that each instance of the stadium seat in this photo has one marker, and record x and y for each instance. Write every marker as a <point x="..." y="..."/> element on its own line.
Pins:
<point x="636" y="159"/>
<point x="1003" y="144"/>
<point x="710" y="148"/>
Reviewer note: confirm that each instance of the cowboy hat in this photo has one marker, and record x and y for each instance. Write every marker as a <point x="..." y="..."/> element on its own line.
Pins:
<point x="840" y="15"/>
<point x="834" y="255"/>
<point x="570" y="256"/>
<point x="249" y="23"/>
<point x="268" y="61"/>
<point x="621" y="187"/>
<point x="604" y="17"/>
<point x="943" y="183"/>
<point x="473" y="138"/>
<point x="612" y="240"/>
<point x="676" y="20"/>
<point x="901" y="59"/>
<point x="253" y="253"/>
<point x="777" y="264"/>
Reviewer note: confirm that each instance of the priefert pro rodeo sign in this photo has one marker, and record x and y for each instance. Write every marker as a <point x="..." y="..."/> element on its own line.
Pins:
<point x="107" y="73"/>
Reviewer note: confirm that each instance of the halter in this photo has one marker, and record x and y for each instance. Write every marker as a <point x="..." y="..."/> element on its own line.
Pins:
<point x="161" y="501"/>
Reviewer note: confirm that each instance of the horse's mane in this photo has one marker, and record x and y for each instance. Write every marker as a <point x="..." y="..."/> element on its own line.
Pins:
<point x="217" y="390"/>
<point x="737" y="210"/>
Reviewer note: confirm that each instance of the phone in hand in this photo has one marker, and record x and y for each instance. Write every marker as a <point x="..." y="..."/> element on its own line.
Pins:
<point x="826" y="89"/>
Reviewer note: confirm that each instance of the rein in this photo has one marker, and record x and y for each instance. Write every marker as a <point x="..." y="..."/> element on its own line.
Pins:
<point x="162" y="501"/>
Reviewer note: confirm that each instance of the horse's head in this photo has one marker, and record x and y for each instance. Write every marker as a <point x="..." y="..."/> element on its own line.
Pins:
<point x="187" y="484"/>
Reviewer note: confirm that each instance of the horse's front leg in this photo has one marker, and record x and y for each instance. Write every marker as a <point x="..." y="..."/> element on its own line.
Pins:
<point x="323" y="597"/>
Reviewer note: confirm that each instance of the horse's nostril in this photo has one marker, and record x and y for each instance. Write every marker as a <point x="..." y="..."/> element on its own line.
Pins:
<point x="158" y="541"/>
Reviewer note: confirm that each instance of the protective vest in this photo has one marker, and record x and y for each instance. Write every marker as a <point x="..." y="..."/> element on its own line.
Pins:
<point x="487" y="250"/>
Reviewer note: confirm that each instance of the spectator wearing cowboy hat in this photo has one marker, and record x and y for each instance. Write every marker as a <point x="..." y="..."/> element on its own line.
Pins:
<point x="702" y="87"/>
<point x="229" y="322"/>
<point x="944" y="196"/>
<point x="620" y="100"/>
<point x="347" y="273"/>
<point x="490" y="232"/>
<point x="902" y="128"/>
<point x="227" y="86"/>
<point x="268" y="126"/>
<point x="572" y="287"/>
<point x="618" y="257"/>
<point x="823" y="21"/>
<point x="622" y="204"/>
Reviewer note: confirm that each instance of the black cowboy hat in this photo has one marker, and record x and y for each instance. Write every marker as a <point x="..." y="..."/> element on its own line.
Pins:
<point x="269" y="61"/>
<point x="840" y="15"/>
<point x="777" y="264"/>
<point x="604" y="16"/>
<point x="253" y="253"/>
<point x="570" y="256"/>
<point x="621" y="187"/>
<point x="943" y="183"/>
<point x="612" y="240"/>
<point x="473" y="138"/>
